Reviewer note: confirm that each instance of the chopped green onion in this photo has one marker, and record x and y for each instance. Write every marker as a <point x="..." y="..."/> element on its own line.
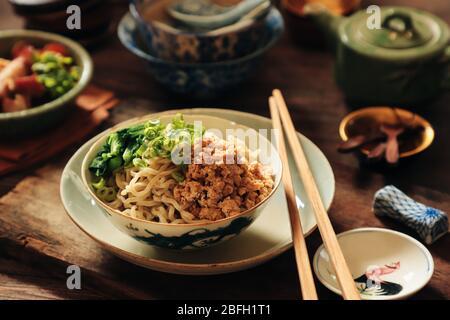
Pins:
<point x="178" y="176"/>
<point x="137" y="162"/>
<point x="54" y="72"/>
<point x="134" y="145"/>
<point x="104" y="192"/>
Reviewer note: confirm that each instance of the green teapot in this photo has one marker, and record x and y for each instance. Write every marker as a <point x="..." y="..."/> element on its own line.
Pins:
<point x="402" y="61"/>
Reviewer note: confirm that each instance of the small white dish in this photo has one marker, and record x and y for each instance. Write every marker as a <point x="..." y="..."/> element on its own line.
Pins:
<point x="386" y="264"/>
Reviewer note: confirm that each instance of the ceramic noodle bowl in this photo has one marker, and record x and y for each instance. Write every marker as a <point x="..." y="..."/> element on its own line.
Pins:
<point x="183" y="236"/>
<point x="168" y="39"/>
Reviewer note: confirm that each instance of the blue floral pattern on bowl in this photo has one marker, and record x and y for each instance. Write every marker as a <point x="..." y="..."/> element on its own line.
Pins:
<point x="197" y="238"/>
<point x="174" y="42"/>
<point x="201" y="80"/>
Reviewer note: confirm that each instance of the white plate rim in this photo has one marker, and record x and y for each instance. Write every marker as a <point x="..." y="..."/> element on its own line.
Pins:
<point x="192" y="268"/>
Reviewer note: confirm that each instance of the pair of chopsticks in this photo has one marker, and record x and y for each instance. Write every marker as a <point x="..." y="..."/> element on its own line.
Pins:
<point x="279" y="113"/>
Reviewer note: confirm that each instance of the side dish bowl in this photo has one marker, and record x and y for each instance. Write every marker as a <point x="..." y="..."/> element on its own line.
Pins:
<point x="201" y="80"/>
<point x="41" y="117"/>
<point x="172" y="41"/>
<point x="182" y="236"/>
<point x="363" y="121"/>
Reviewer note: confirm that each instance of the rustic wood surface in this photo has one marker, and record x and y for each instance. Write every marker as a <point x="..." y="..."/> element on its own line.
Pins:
<point x="38" y="241"/>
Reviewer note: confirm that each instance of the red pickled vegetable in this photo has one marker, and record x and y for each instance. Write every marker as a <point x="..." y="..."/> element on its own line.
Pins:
<point x="18" y="47"/>
<point x="55" y="47"/>
<point x="29" y="85"/>
<point x="23" y="49"/>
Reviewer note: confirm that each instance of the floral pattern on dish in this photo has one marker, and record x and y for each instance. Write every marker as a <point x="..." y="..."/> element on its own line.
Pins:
<point x="372" y="284"/>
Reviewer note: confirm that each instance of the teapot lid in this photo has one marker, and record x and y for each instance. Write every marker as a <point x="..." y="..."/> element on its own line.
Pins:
<point x="401" y="32"/>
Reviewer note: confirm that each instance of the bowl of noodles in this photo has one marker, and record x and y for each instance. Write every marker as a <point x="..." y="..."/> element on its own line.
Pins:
<point x="182" y="182"/>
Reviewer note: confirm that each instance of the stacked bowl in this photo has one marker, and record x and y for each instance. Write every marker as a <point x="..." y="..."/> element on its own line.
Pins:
<point x="198" y="47"/>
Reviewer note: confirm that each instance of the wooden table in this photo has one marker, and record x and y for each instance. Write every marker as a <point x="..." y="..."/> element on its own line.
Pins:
<point x="38" y="241"/>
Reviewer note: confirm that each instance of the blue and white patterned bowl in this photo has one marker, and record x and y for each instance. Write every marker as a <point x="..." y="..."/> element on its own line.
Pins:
<point x="201" y="80"/>
<point x="183" y="236"/>
<point x="170" y="40"/>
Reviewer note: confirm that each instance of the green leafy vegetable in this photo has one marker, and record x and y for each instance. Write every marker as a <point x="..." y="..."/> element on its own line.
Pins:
<point x="178" y="176"/>
<point x="133" y="145"/>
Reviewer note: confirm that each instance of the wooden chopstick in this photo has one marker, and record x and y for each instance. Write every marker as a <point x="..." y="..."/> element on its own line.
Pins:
<point x="301" y="252"/>
<point x="345" y="279"/>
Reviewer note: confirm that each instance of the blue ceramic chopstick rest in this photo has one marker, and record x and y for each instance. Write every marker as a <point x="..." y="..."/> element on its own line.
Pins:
<point x="429" y="223"/>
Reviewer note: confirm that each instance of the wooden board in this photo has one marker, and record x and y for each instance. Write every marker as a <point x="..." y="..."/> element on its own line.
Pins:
<point x="36" y="232"/>
<point x="38" y="241"/>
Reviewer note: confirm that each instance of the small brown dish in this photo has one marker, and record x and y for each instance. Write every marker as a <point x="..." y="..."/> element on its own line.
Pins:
<point x="368" y="121"/>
